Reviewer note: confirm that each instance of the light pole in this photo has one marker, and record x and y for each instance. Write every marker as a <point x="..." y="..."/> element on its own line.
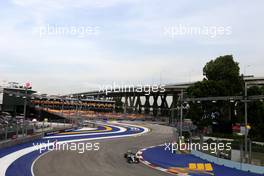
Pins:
<point x="81" y="104"/>
<point x="25" y="110"/>
<point x="181" y="113"/>
<point x="246" y="123"/>
<point x="27" y="85"/>
<point x="77" y="99"/>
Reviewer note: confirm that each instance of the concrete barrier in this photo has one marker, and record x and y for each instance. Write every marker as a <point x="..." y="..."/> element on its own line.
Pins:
<point x="12" y="142"/>
<point x="229" y="163"/>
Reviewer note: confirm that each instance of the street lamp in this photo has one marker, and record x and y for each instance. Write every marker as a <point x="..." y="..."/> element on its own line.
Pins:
<point x="25" y="110"/>
<point x="27" y="85"/>
<point x="181" y="112"/>
<point x="246" y="122"/>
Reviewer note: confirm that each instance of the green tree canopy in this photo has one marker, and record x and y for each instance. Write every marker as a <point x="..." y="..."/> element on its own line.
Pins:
<point x="222" y="78"/>
<point x="222" y="68"/>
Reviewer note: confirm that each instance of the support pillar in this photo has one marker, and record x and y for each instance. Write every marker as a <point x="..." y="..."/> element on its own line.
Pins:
<point x="173" y="109"/>
<point x="155" y="105"/>
<point x="138" y="104"/>
<point x="132" y="102"/>
<point x="126" y="104"/>
<point x="147" y="105"/>
<point x="164" y="105"/>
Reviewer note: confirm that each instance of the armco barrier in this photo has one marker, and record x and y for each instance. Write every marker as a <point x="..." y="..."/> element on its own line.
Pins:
<point x="229" y="163"/>
<point x="13" y="142"/>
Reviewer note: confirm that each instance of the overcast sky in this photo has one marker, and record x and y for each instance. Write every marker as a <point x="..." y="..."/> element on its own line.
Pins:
<point x="129" y="41"/>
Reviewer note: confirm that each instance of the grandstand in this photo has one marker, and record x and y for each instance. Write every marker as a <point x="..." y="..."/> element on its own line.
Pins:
<point x="69" y="104"/>
<point x="11" y="127"/>
<point x="14" y="99"/>
<point x="94" y="115"/>
<point x="17" y="100"/>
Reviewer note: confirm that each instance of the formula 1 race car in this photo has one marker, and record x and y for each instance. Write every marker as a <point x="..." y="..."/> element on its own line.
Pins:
<point x="131" y="156"/>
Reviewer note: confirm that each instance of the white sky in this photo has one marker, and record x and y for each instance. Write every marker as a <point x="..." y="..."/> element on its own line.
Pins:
<point x="130" y="47"/>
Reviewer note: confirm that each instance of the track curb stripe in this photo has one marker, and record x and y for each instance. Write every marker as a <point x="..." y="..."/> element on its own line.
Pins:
<point x="147" y="163"/>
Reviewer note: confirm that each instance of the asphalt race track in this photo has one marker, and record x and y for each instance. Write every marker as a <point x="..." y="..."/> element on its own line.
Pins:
<point x="108" y="161"/>
<point x="113" y="139"/>
<point x="19" y="160"/>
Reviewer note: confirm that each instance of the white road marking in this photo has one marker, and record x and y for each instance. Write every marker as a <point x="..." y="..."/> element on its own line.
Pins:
<point x="7" y="160"/>
<point x="121" y="129"/>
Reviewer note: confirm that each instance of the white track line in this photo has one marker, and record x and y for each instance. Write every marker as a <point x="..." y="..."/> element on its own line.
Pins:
<point x="121" y="129"/>
<point x="36" y="161"/>
<point x="126" y="124"/>
<point x="7" y="160"/>
<point x="85" y="129"/>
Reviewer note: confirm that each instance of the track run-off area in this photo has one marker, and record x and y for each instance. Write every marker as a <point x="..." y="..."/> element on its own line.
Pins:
<point x="19" y="160"/>
<point x="115" y="138"/>
<point x="157" y="157"/>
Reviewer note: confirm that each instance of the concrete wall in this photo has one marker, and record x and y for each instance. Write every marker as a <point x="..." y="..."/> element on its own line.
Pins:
<point x="229" y="163"/>
<point x="13" y="142"/>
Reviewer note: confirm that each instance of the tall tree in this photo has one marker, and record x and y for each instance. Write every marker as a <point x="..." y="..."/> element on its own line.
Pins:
<point x="222" y="78"/>
<point x="225" y="72"/>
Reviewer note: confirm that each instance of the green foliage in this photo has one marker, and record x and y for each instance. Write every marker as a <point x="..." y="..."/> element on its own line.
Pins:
<point x="207" y="88"/>
<point x="256" y="90"/>
<point x="224" y="71"/>
<point x="222" y="68"/>
<point x="256" y="114"/>
<point x="222" y="78"/>
<point x="195" y="113"/>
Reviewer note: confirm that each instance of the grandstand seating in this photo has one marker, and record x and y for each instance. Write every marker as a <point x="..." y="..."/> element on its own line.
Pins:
<point x="98" y="115"/>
